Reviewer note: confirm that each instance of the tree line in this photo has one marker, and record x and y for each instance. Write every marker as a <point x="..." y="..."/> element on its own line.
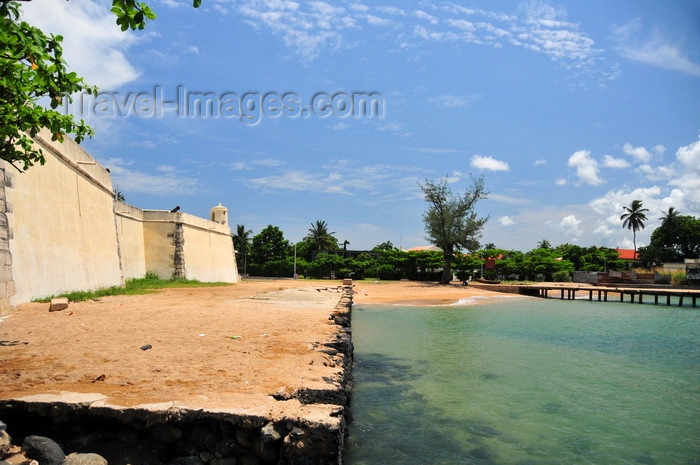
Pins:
<point x="321" y="255"/>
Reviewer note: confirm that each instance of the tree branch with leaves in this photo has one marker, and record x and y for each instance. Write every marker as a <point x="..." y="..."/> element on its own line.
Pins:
<point x="33" y="71"/>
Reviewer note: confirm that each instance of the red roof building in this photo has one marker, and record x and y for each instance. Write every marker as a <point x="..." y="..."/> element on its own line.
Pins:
<point x="627" y="254"/>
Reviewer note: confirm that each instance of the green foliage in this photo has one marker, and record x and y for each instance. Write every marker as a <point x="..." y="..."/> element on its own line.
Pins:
<point x="544" y="244"/>
<point x="32" y="68"/>
<point x="131" y="14"/>
<point x="561" y="277"/>
<point x="269" y="245"/>
<point x="383" y="246"/>
<point x="541" y="264"/>
<point x="634" y="219"/>
<point x="241" y="244"/>
<point x="319" y="238"/>
<point x="677" y="238"/>
<point x="450" y="221"/>
<point x="678" y="278"/>
<point x="326" y="265"/>
<point x="151" y="276"/>
<point x="601" y="259"/>
<point x="305" y="249"/>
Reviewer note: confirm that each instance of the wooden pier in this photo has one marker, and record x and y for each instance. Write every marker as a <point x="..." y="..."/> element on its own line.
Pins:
<point x="626" y="294"/>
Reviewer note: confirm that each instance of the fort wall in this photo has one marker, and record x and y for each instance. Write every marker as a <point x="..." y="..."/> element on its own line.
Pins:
<point x="62" y="230"/>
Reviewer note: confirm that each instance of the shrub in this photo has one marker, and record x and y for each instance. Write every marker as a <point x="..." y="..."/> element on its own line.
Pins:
<point x="561" y="277"/>
<point x="151" y="276"/>
<point x="678" y="278"/>
<point x="387" y="272"/>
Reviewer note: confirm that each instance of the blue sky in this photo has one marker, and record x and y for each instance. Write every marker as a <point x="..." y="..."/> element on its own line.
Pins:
<point x="569" y="110"/>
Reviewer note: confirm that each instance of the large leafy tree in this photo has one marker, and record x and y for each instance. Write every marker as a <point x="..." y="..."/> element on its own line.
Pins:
<point x="319" y="238"/>
<point x="32" y="70"/>
<point x="269" y="245"/>
<point x="450" y="220"/>
<point x="634" y="219"/>
<point x="673" y="241"/>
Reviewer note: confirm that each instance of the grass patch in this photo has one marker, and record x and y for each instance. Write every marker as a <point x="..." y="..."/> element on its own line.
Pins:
<point x="678" y="278"/>
<point x="137" y="286"/>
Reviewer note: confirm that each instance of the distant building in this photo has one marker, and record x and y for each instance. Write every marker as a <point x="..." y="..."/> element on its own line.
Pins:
<point x="424" y="248"/>
<point x="627" y="254"/>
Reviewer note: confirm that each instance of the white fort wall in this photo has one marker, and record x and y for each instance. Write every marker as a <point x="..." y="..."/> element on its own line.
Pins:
<point x="61" y="230"/>
<point x="61" y="220"/>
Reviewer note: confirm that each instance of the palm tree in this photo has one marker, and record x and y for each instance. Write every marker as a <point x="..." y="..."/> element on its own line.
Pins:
<point x="634" y="219"/>
<point x="544" y="244"/>
<point x="241" y="240"/>
<point x="670" y="217"/>
<point x="320" y="238"/>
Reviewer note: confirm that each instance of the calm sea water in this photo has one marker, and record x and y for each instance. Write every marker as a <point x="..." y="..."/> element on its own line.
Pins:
<point x="526" y="381"/>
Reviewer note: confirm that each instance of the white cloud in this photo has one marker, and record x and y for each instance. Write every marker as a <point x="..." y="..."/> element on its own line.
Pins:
<point x="434" y="150"/>
<point x="569" y="225"/>
<point x="391" y="127"/>
<point x="688" y="179"/>
<point x="545" y="29"/>
<point x="508" y="199"/>
<point x="240" y="166"/>
<point x="640" y="154"/>
<point x="454" y="101"/>
<point x="619" y="163"/>
<point x="340" y="126"/>
<point x="462" y="24"/>
<point x="603" y="230"/>
<point x="488" y="163"/>
<point x="342" y="177"/>
<point x="654" y="49"/>
<point x="506" y="221"/>
<point x="657" y="199"/>
<point x="377" y="21"/>
<point x="423" y="15"/>
<point x="391" y="10"/>
<point x="306" y="29"/>
<point x="93" y="44"/>
<point x="586" y="167"/>
<point x="560" y="182"/>
<point x="312" y="27"/>
<point x="128" y="179"/>
<point x="268" y="162"/>
<point x="657" y="173"/>
<point x="359" y="7"/>
<point x="540" y="162"/>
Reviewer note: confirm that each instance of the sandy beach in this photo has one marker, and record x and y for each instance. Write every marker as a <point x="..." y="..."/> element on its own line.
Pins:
<point x="220" y="347"/>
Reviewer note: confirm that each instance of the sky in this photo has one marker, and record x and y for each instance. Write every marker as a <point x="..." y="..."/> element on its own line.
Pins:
<point x="288" y="112"/>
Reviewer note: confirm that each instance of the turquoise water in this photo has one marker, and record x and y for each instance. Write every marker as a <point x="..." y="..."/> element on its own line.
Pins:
<point x="526" y="381"/>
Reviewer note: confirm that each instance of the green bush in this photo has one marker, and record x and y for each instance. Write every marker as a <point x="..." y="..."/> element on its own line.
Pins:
<point x="678" y="278"/>
<point x="561" y="277"/>
<point x="151" y="276"/>
<point x="387" y="272"/>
